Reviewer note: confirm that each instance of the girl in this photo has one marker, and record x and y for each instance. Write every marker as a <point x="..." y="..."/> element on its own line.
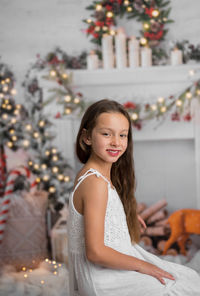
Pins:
<point x="104" y="257"/>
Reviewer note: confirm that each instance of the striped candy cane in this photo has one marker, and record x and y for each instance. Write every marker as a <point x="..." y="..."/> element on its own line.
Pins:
<point x="5" y="201"/>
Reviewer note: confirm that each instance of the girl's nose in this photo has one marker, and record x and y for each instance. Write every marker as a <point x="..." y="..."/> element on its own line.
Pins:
<point x="115" y="141"/>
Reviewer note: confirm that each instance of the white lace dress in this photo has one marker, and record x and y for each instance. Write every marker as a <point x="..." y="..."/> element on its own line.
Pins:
<point x="88" y="279"/>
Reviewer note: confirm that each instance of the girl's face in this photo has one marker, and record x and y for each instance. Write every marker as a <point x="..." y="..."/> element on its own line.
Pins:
<point x="109" y="138"/>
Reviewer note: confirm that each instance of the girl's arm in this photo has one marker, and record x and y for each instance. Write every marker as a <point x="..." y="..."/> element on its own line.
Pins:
<point x="94" y="192"/>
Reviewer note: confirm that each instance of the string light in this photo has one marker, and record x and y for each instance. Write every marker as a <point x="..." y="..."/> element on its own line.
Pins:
<point x="54" y="150"/>
<point x="52" y="73"/>
<point x="64" y="76"/>
<point x="4" y="116"/>
<point x="60" y="177"/>
<point x="97" y="29"/>
<point x="55" y="158"/>
<point x="44" y="166"/>
<point x="36" y="135"/>
<point x="52" y="189"/>
<point x="25" y="275"/>
<point x="163" y="109"/>
<point x="191" y="72"/>
<point x="153" y="107"/>
<point x="42" y="123"/>
<point x="7" y="80"/>
<point x="55" y="169"/>
<point x="134" y="116"/>
<point x="98" y="7"/>
<point x="67" y="98"/>
<point x="37" y="180"/>
<point x="13" y="120"/>
<point x="76" y="100"/>
<point x="14" y="138"/>
<point x="68" y="111"/>
<point x="109" y="14"/>
<point x="42" y="282"/>
<point x="47" y="152"/>
<point x="66" y="178"/>
<point x="26" y="143"/>
<point x="30" y="163"/>
<point x="36" y="166"/>
<point x="188" y="95"/>
<point x="129" y="9"/>
<point x="179" y="103"/>
<point x="89" y="21"/>
<point x="146" y="26"/>
<point x="10" y="144"/>
<point x="112" y="32"/>
<point x="46" y="178"/>
<point x="155" y="13"/>
<point x="143" y="41"/>
<point x="126" y="2"/>
<point x="28" y="127"/>
<point x="161" y="100"/>
<point x="13" y="92"/>
<point x="198" y="92"/>
<point x="18" y="106"/>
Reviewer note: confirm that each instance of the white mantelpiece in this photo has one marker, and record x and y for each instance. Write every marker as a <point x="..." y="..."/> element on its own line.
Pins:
<point x="167" y="156"/>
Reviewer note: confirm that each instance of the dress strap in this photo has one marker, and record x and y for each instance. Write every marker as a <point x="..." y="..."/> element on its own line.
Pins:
<point x="90" y="172"/>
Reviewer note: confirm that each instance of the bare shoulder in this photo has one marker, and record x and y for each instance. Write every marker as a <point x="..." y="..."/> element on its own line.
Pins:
<point x="93" y="186"/>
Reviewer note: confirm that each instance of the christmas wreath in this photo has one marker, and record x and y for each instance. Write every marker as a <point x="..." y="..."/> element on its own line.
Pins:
<point x="152" y="13"/>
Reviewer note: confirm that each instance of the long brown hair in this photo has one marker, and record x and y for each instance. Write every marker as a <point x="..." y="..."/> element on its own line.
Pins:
<point x="122" y="171"/>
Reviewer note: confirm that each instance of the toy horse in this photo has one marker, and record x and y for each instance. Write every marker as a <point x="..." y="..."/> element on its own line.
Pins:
<point x="182" y="223"/>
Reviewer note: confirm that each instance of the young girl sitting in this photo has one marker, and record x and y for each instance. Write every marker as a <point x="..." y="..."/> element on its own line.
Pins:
<point x="103" y="227"/>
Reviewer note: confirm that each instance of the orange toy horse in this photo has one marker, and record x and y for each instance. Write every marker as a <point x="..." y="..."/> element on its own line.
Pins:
<point x="182" y="223"/>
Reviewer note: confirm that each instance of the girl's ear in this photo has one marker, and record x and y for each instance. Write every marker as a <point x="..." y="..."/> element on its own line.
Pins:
<point x="86" y="137"/>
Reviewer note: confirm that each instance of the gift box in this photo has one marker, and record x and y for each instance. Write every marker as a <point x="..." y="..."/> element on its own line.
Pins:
<point x="25" y="238"/>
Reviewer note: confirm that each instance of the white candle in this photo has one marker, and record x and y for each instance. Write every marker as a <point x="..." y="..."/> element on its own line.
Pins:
<point x="107" y="51"/>
<point x="176" y="57"/>
<point x="146" y="57"/>
<point x="133" y="52"/>
<point x="92" y="61"/>
<point x="120" y="50"/>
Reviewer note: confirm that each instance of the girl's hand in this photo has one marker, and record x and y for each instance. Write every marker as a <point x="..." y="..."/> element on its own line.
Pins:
<point x="156" y="272"/>
<point x="143" y="224"/>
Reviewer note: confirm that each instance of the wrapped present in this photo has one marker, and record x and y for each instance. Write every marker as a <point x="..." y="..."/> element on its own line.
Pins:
<point x="25" y="237"/>
<point x="59" y="243"/>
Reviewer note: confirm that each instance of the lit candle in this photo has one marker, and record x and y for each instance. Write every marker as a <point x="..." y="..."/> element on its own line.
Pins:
<point x="107" y="51"/>
<point x="176" y="57"/>
<point x="146" y="57"/>
<point x="133" y="52"/>
<point x="92" y="61"/>
<point x="120" y="49"/>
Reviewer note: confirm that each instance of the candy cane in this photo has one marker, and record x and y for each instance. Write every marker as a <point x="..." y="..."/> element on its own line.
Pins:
<point x="5" y="201"/>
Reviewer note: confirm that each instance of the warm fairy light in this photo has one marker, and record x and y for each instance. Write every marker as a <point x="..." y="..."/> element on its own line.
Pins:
<point x="112" y="32"/>
<point x="10" y="144"/>
<point x="198" y="92"/>
<point x="13" y="120"/>
<point x="6" y="101"/>
<point x="55" y="169"/>
<point x="54" y="150"/>
<point x="126" y="2"/>
<point x="68" y="98"/>
<point x="55" y="158"/>
<point x="4" y="116"/>
<point x="161" y="100"/>
<point x="3" y="82"/>
<point x="7" y="80"/>
<point x="25" y="275"/>
<point x="134" y="116"/>
<point x="59" y="265"/>
<point x="42" y="123"/>
<point x="30" y="270"/>
<point x="30" y="163"/>
<point x="46" y="178"/>
<point x="5" y="88"/>
<point x="188" y="95"/>
<point x="76" y="100"/>
<point x="60" y="177"/>
<point x="16" y="112"/>
<point x="52" y="189"/>
<point x="12" y="131"/>
<point x="26" y="143"/>
<point x="44" y="166"/>
<point x="64" y="76"/>
<point x="55" y="266"/>
<point x="1" y="95"/>
<point x="9" y="107"/>
<point x="28" y="127"/>
<point x="89" y="21"/>
<point x="155" y="13"/>
<point x="68" y="111"/>
<point x="143" y="41"/>
<point x="14" y="138"/>
<point x="191" y="72"/>
<point x="36" y="135"/>
<point x="129" y="9"/>
<point x="105" y="28"/>
<point x="55" y="272"/>
<point x="24" y="268"/>
<point x="164" y="19"/>
<point x="37" y="180"/>
<point x="52" y="73"/>
<point x="13" y="91"/>
<point x="3" y="106"/>
<point x="46" y="260"/>
<point x="98" y="7"/>
<point x="47" y="152"/>
<point x="97" y="29"/>
<point x="54" y="262"/>
<point x="42" y="282"/>
<point x="163" y="109"/>
<point x="109" y="14"/>
<point x="18" y="106"/>
<point x="179" y="103"/>
<point x="36" y="166"/>
<point x="146" y="26"/>
<point x="154" y="107"/>
<point x="66" y="178"/>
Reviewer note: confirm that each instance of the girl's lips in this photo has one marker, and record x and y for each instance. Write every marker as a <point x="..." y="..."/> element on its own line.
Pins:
<point x="113" y="152"/>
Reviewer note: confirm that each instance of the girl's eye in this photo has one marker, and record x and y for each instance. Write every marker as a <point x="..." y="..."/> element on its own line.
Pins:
<point x="123" y="136"/>
<point x="105" y="134"/>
